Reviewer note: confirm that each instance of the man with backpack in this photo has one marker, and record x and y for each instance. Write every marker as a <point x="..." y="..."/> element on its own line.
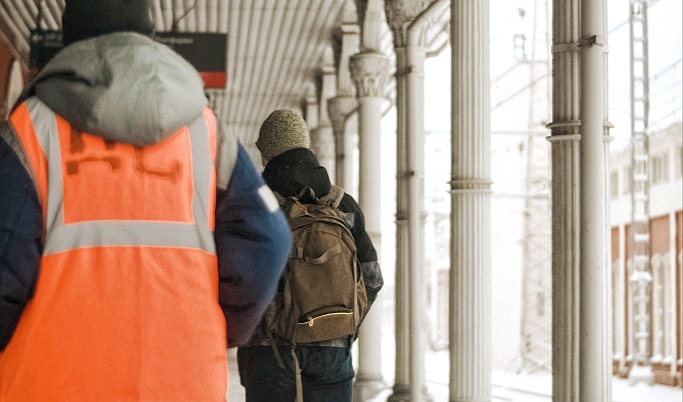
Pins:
<point x="301" y="351"/>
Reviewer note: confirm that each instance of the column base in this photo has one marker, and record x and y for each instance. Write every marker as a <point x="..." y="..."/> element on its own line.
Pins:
<point x="402" y="394"/>
<point x="366" y="389"/>
<point x="641" y="373"/>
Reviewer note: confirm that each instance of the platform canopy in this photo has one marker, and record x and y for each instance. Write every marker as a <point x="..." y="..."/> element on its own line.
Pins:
<point x="274" y="49"/>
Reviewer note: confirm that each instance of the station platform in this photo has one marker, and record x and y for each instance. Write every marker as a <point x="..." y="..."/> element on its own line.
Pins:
<point x="506" y="386"/>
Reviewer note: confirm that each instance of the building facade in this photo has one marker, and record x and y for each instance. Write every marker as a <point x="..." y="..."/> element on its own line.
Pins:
<point x="649" y="321"/>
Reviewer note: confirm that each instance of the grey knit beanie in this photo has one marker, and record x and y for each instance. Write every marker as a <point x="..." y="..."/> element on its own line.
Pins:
<point x="282" y="131"/>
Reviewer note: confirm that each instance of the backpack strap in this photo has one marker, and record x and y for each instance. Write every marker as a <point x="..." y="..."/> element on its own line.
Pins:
<point x="278" y="197"/>
<point x="297" y="371"/>
<point x="281" y="363"/>
<point x="333" y="197"/>
<point x="306" y="194"/>
<point x="276" y="352"/>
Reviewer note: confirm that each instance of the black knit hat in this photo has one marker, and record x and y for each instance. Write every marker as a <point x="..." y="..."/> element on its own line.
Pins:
<point x="83" y="19"/>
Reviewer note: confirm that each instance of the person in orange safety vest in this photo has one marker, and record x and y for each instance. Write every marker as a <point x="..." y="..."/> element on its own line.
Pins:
<point x="137" y="239"/>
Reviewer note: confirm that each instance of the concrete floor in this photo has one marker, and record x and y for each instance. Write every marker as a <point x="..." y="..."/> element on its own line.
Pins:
<point x="507" y="386"/>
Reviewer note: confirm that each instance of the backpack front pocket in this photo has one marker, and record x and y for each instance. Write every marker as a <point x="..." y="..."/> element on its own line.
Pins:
<point x="325" y="324"/>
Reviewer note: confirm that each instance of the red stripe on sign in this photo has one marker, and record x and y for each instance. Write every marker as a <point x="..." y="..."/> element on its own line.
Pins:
<point x="214" y="79"/>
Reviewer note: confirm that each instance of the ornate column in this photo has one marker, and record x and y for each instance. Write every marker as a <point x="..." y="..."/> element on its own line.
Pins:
<point x="401" y="391"/>
<point x="565" y="141"/>
<point x="370" y="72"/>
<point x="581" y="285"/>
<point x="343" y="105"/>
<point x="322" y="137"/>
<point x="408" y="21"/>
<point x="470" y="282"/>
<point x="340" y="108"/>
<point x="311" y="108"/>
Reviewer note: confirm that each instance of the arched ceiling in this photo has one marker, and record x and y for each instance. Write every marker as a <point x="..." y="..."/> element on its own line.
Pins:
<point x="275" y="48"/>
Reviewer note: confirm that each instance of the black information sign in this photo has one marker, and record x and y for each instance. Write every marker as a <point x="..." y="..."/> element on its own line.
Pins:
<point x="205" y="51"/>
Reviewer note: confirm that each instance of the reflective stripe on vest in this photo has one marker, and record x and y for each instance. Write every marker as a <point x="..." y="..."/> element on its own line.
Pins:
<point x="108" y="193"/>
<point x="125" y="306"/>
<point x="31" y="148"/>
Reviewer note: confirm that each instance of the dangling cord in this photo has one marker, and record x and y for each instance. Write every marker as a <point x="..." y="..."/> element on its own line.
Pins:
<point x="276" y="352"/>
<point x="297" y="370"/>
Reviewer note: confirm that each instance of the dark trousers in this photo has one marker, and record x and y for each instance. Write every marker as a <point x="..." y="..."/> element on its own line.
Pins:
<point x="326" y="373"/>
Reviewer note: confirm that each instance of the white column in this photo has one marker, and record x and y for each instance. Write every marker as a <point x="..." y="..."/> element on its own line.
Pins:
<point x="340" y="109"/>
<point x="582" y="363"/>
<point x="409" y="21"/>
<point x="595" y="363"/>
<point x="347" y="38"/>
<point x="370" y="72"/>
<point x="350" y="166"/>
<point x="402" y="281"/>
<point x="565" y="264"/>
<point x="311" y="108"/>
<point x="322" y="138"/>
<point x="565" y="141"/>
<point x="401" y="387"/>
<point x="415" y="56"/>
<point x="470" y="282"/>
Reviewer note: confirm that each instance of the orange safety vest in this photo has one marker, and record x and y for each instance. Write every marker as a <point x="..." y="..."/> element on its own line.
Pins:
<point x="126" y="303"/>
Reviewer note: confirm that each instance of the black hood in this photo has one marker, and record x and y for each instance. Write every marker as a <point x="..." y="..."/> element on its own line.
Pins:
<point x="293" y="170"/>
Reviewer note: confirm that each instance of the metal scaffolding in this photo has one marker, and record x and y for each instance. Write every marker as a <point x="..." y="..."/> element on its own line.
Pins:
<point x="640" y="276"/>
<point x="536" y="334"/>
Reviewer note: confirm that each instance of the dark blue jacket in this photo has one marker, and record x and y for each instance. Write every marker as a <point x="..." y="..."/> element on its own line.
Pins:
<point x="103" y="87"/>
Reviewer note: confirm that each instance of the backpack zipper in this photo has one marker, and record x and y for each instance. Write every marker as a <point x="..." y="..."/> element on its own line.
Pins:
<point x="311" y="320"/>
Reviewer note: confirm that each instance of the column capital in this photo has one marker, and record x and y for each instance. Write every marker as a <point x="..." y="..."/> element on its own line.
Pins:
<point x="400" y="13"/>
<point x="370" y="71"/>
<point x="339" y="108"/>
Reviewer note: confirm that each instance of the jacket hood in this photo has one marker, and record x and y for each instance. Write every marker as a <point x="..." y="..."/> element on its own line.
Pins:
<point x="123" y="87"/>
<point x="293" y="170"/>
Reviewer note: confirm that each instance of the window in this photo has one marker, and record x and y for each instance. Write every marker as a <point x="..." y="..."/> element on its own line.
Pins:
<point x="660" y="168"/>
<point x="663" y="326"/>
<point x="626" y="180"/>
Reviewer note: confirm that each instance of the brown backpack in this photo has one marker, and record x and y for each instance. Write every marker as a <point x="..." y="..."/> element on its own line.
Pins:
<point x="322" y="293"/>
